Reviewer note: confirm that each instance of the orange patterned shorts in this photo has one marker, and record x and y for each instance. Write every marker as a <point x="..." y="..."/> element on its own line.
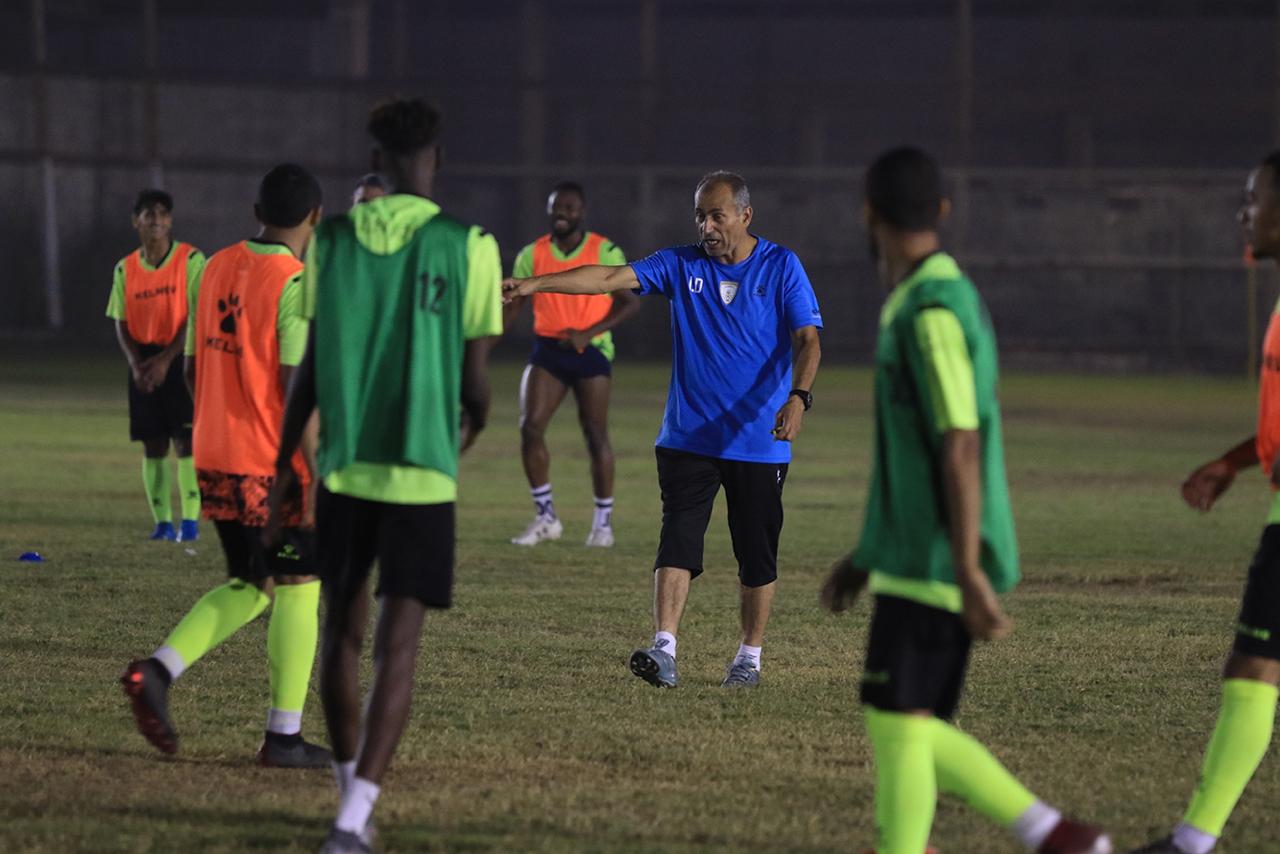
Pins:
<point x="243" y="498"/>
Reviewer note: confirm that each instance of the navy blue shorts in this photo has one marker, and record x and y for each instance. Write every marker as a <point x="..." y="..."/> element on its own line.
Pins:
<point x="557" y="358"/>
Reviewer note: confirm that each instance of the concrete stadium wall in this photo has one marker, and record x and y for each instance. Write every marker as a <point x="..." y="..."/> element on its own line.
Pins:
<point x="1090" y="267"/>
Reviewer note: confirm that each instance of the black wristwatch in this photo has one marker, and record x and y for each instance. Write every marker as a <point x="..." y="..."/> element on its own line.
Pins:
<point x="805" y="397"/>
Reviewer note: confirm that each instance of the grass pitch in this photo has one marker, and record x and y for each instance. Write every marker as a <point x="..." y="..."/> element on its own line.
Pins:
<point x="528" y="732"/>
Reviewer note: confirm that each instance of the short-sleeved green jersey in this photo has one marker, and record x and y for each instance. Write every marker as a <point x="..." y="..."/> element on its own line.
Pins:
<point x="414" y="260"/>
<point x="115" y="302"/>
<point x="291" y="326"/>
<point x="936" y="370"/>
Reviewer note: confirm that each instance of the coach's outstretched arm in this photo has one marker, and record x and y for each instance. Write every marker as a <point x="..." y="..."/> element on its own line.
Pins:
<point x="591" y="279"/>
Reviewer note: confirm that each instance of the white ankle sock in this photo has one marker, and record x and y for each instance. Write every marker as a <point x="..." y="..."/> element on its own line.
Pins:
<point x="666" y="642"/>
<point x="542" y="502"/>
<point x="1035" y="824"/>
<point x="284" y="723"/>
<point x="749" y="653"/>
<point x="343" y="774"/>
<point x="357" y="805"/>
<point x="603" y="517"/>
<point x="172" y="661"/>
<point x="1193" y="840"/>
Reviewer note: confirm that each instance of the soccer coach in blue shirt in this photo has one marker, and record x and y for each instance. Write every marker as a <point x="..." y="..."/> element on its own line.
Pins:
<point x="742" y="311"/>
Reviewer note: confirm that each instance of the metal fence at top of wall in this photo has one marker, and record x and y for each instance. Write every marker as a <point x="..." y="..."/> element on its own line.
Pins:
<point x="1102" y="268"/>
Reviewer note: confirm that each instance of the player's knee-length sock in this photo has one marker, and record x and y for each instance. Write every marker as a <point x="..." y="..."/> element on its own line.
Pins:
<point x="967" y="770"/>
<point x="291" y="648"/>
<point x="155" y="480"/>
<point x="189" y="488"/>
<point x="1239" y="741"/>
<point x="905" y="785"/>
<point x="217" y="616"/>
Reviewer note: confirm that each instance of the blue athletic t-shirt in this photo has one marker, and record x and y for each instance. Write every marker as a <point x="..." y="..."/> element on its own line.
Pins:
<point x="731" y="354"/>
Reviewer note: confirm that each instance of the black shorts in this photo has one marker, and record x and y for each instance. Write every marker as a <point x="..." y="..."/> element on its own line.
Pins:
<point x="689" y="483"/>
<point x="165" y="412"/>
<point x="1258" y="628"/>
<point x="916" y="658"/>
<point x="413" y="544"/>
<point x="248" y="560"/>
<point x="566" y="364"/>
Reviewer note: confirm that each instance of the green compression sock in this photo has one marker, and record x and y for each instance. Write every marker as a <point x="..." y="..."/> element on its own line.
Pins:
<point x="1239" y="741"/>
<point x="967" y="770"/>
<point x="216" y="617"/>
<point x="155" y="479"/>
<point x="291" y="643"/>
<point x="188" y="488"/>
<point x="905" y="784"/>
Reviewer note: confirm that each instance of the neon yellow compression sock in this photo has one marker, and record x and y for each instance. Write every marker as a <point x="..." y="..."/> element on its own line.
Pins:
<point x="1239" y="741"/>
<point x="967" y="770"/>
<point x="155" y="480"/>
<point x="905" y="786"/>
<point x="291" y="643"/>
<point x="188" y="488"/>
<point x="217" y="616"/>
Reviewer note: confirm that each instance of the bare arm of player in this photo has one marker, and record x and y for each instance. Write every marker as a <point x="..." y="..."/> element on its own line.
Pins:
<point x="591" y="279"/>
<point x="624" y="305"/>
<point x="132" y="355"/>
<point x="300" y="404"/>
<point x="807" y="346"/>
<point x="1206" y="484"/>
<point x="843" y="584"/>
<point x="962" y="485"/>
<point x="475" y="390"/>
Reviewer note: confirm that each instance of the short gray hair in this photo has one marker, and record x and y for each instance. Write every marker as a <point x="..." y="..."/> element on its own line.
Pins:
<point x="736" y="183"/>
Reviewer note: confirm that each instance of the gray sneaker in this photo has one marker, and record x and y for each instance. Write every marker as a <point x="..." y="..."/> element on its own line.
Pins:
<point x="655" y="666"/>
<point x="740" y="674"/>
<point x="345" y="842"/>
<point x="1160" y="846"/>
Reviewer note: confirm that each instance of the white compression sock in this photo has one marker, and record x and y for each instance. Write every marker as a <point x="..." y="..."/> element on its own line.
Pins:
<point x="666" y="642"/>
<point x="603" y="517"/>
<point x="172" y="661"/>
<point x="344" y="773"/>
<point x="749" y="653"/>
<point x="1035" y="824"/>
<point x="1193" y="840"/>
<point x="357" y="805"/>
<point x="284" y="723"/>
<point x="542" y="503"/>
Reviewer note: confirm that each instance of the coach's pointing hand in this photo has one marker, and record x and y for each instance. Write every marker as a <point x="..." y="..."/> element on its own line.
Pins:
<point x="513" y="289"/>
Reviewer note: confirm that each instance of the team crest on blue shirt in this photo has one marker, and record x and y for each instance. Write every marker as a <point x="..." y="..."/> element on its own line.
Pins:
<point x="728" y="290"/>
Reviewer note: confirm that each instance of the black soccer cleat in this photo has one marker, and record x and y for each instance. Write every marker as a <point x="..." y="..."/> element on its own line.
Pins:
<point x="146" y="684"/>
<point x="345" y="842"/>
<point x="292" y="751"/>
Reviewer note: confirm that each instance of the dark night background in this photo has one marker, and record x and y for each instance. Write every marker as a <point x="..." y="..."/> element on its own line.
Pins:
<point x="1095" y="149"/>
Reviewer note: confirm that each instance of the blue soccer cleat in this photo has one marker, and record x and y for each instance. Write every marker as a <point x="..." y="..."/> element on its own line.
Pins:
<point x="164" y="531"/>
<point x="655" y="666"/>
<point x="190" y="531"/>
<point x="741" y="674"/>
